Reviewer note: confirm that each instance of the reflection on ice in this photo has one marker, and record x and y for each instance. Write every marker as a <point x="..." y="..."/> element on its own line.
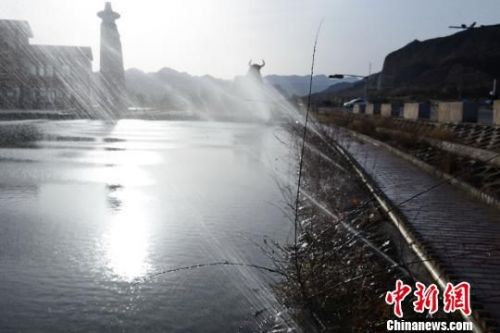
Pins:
<point x="126" y="239"/>
<point x="80" y="224"/>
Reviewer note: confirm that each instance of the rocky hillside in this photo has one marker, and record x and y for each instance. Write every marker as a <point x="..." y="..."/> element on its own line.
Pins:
<point x="461" y="65"/>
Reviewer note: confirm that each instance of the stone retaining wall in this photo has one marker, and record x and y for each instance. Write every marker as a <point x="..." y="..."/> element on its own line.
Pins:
<point x="457" y="112"/>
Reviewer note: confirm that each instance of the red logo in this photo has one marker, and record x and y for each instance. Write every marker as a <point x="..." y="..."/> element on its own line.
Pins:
<point x="397" y="296"/>
<point x="455" y="297"/>
<point x="427" y="298"/>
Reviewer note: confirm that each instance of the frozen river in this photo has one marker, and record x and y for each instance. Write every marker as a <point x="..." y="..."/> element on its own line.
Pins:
<point x="91" y="211"/>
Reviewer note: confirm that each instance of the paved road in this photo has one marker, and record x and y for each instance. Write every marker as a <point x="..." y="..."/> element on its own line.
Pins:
<point x="462" y="233"/>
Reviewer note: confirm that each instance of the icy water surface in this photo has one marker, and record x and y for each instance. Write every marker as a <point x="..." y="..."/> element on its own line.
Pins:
<point x="89" y="211"/>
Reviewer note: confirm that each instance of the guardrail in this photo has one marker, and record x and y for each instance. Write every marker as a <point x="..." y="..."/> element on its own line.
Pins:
<point x="441" y="112"/>
<point x="416" y="111"/>
<point x="496" y="112"/>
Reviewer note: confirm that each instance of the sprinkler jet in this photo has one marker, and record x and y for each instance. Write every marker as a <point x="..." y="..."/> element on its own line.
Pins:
<point x="254" y="70"/>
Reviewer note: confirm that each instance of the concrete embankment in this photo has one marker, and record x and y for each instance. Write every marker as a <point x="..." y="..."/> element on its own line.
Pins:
<point x="457" y="234"/>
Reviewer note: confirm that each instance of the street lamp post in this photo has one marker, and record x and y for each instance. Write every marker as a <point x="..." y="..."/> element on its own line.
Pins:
<point x="363" y="77"/>
<point x="341" y="76"/>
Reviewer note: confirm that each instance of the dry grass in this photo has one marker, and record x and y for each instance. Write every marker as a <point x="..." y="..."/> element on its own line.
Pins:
<point x="340" y="283"/>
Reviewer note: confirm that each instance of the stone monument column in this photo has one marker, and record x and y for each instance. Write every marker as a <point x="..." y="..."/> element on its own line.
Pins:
<point x="112" y="73"/>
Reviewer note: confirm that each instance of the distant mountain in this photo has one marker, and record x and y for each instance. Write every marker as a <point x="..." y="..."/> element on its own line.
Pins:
<point x="167" y="81"/>
<point x="243" y="98"/>
<point x="174" y="89"/>
<point x="294" y="85"/>
<point x="338" y="87"/>
<point x="164" y="81"/>
<point x="342" y="91"/>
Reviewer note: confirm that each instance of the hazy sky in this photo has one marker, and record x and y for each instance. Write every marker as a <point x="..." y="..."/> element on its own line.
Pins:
<point x="219" y="37"/>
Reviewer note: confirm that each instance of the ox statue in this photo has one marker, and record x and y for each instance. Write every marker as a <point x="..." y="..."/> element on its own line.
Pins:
<point x="254" y="70"/>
